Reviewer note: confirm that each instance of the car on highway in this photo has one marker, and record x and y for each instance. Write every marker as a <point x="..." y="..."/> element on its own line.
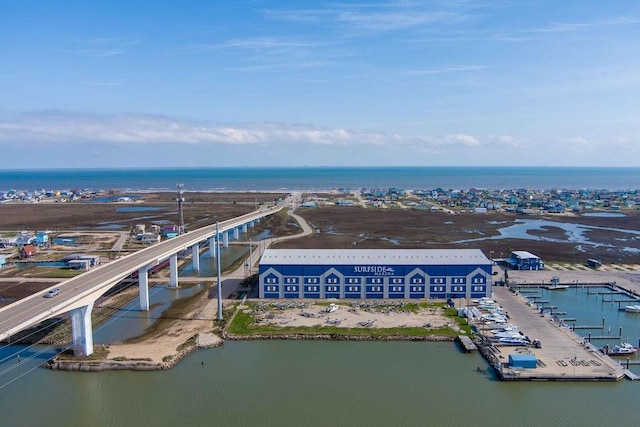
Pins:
<point x="52" y="293"/>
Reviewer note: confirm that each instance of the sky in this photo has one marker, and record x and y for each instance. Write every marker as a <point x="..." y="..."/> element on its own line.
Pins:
<point x="319" y="83"/>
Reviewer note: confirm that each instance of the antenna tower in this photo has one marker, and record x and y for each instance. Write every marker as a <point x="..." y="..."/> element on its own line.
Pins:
<point x="180" y="199"/>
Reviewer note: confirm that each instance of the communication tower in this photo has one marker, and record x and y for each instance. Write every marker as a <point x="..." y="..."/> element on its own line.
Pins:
<point x="180" y="199"/>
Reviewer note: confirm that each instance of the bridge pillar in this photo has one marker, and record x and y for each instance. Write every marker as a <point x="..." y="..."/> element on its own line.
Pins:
<point x="81" y="330"/>
<point x="195" y="257"/>
<point x="236" y="233"/>
<point x="212" y="246"/>
<point x="143" y="288"/>
<point x="225" y="239"/>
<point x="173" y="271"/>
<point x="252" y="223"/>
<point x="244" y="228"/>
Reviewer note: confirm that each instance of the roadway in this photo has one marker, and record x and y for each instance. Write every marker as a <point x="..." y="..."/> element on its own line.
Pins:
<point x="86" y="288"/>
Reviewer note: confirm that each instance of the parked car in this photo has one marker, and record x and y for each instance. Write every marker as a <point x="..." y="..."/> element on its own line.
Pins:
<point x="52" y="293"/>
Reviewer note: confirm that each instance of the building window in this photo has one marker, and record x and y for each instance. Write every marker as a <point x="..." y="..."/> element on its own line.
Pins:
<point x="437" y="281"/>
<point x="291" y="280"/>
<point x="416" y="280"/>
<point x="332" y="280"/>
<point x="352" y="280"/>
<point x="271" y="280"/>
<point x="271" y="288"/>
<point x="353" y="289"/>
<point x="332" y="289"/>
<point x="397" y="280"/>
<point x="396" y="289"/>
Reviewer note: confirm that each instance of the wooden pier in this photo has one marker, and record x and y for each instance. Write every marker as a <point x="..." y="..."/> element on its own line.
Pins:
<point x="467" y="345"/>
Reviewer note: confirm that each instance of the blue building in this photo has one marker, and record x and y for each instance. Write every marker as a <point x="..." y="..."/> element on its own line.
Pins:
<point x="523" y="260"/>
<point x="374" y="273"/>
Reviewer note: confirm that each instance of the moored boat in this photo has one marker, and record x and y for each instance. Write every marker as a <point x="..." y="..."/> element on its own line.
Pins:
<point x="632" y="308"/>
<point x="332" y="307"/>
<point x="514" y="341"/>
<point x="622" y="349"/>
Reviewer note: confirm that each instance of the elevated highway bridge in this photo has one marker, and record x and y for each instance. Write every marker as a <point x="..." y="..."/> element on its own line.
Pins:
<point x="77" y="295"/>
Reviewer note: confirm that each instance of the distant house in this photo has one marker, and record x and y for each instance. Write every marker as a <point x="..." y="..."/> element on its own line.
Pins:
<point x="27" y="251"/>
<point x="523" y="260"/>
<point x="91" y="261"/>
<point x="42" y="238"/>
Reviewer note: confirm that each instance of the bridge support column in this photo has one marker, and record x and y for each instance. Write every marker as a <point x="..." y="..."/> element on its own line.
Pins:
<point x="212" y="246"/>
<point x="225" y="239"/>
<point x="236" y="233"/>
<point x="195" y="257"/>
<point x="244" y="228"/>
<point x="143" y="288"/>
<point x="82" y="331"/>
<point x="173" y="271"/>
<point x="252" y="224"/>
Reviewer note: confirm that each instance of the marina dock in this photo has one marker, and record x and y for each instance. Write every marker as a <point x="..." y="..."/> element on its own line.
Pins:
<point x="563" y="354"/>
<point x="467" y="345"/>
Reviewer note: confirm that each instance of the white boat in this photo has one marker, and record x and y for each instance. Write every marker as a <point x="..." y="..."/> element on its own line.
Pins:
<point x="621" y="349"/>
<point x="332" y="307"/>
<point x="514" y="341"/>
<point x="632" y="308"/>
<point x="556" y="287"/>
<point x="509" y="334"/>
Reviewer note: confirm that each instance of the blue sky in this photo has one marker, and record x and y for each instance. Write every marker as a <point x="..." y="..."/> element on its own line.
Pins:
<point x="290" y="83"/>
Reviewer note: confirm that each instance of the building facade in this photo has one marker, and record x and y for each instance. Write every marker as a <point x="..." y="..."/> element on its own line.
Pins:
<point x="374" y="273"/>
<point x="523" y="260"/>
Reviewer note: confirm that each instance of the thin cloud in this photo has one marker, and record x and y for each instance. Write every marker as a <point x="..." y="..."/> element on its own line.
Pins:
<point x="61" y="127"/>
<point x="447" y="70"/>
<point x="103" y="46"/>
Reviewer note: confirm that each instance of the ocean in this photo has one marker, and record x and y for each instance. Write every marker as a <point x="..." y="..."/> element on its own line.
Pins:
<point x="322" y="178"/>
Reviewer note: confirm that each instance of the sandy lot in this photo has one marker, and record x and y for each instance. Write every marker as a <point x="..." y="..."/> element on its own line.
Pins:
<point x="371" y="315"/>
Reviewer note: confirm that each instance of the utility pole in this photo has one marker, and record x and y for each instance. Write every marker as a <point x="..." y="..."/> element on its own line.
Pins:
<point x="180" y="199"/>
<point x="218" y="256"/>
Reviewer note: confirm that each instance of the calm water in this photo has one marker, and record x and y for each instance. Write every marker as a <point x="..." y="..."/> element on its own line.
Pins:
<point x="590" y="309"/>
<point x="294" y="383"/>
<point x="322" y="178"/>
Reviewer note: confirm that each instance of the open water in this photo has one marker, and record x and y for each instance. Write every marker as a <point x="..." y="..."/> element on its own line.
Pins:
<point x="322" y="178"/>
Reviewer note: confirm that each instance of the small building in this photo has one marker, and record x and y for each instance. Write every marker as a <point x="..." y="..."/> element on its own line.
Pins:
<point x="79" y="264"/>
<point x="523" y="260"/>
<point x="91" y="260"/>
<point x="525" y="361"/>
<point x="42" y="238"/>
<point x="27" y="251"/>
<point x="170" y="231"/>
